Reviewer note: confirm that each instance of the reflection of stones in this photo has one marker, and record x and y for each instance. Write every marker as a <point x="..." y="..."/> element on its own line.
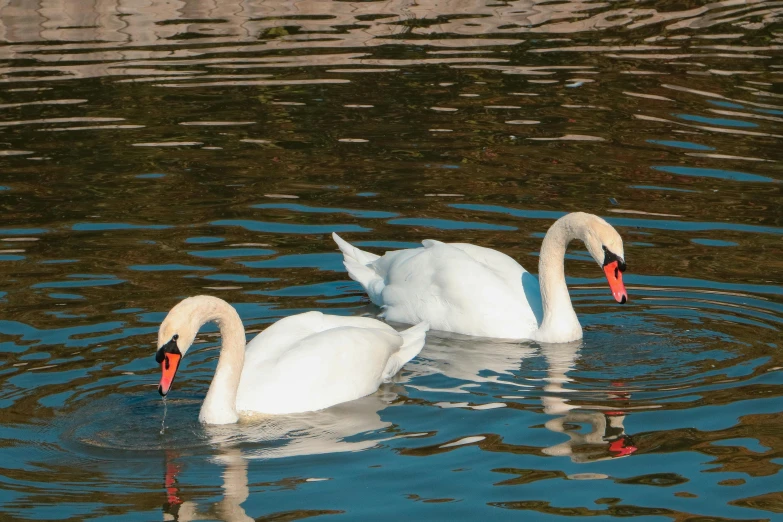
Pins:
<point x="244" y="21"/>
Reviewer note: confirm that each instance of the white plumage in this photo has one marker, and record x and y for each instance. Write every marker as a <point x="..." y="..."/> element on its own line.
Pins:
<point x="301" y="363"/>
<point x="472" y="290"/>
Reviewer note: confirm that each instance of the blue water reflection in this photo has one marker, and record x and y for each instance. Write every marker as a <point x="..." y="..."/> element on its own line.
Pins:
<point x="681" y="144"/>
<point x="724" y="122"/>
<point x="325" y="210"/>
<point x="627" y="222"/>
<point x="286" y="228"/>
<point x="715" y="173"/>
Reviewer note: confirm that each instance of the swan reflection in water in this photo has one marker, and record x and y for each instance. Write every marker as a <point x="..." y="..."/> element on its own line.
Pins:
<point x="605" y="437"/>
<point x="235" y="491"/>
<point x="276" y="436"/>
<point x="477" y="361"/>
<point x="471" y="361"/>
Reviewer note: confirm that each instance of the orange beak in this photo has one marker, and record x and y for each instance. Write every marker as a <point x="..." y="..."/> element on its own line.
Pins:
<point x="615" y="278"/>
<point x="622" y="447"/>
<point x="168" y="368"/>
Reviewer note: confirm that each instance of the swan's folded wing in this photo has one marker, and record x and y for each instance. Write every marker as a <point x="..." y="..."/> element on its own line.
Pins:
<point x="395" y="258"/>
<point x="282" y="334"/>
<point x="452" y="290"/>
<point x="286" y="332"/>
<point x="326" y="368"/>
<point x="502" y="265"/>
<point x="507" y="268"/>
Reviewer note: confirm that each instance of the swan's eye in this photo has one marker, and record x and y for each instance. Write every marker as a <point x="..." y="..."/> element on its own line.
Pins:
<point x="169" y="347"/>
<point x="610" y="256"/>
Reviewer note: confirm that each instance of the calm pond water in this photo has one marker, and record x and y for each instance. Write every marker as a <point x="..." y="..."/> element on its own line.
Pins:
<point x="155" y="150"/>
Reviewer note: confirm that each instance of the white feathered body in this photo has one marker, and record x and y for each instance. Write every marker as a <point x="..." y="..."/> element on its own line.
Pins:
<point x="311" y="361"/>
<point x="455" y="287"/>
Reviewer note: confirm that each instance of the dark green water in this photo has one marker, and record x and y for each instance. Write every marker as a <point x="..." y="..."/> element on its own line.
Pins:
<point x="153" y="151"/>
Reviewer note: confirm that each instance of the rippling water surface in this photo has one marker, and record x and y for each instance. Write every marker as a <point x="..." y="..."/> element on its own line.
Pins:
<point x="154" y="150"/>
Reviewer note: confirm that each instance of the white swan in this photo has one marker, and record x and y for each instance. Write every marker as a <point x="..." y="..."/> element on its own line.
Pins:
<point x="301" y="363"/>
<point x="472" y="290"/>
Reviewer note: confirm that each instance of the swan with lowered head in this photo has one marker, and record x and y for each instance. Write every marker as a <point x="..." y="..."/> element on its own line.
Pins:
<point x="304" y="362"/>
<point x="472" y="290"/>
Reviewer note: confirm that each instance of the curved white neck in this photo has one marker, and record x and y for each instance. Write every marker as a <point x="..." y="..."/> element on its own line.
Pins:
<point x="220" y="403"/>
<point x="560" y="323"/>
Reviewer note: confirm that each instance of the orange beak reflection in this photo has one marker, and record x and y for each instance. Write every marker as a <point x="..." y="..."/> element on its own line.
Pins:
<point x="168" y="368"/>
<point x="622" y="447"/>
<point x="615" y="278"/>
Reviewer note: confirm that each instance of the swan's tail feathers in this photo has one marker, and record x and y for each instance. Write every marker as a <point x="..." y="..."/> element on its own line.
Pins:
<point x="356" y="262"/>
<point x="351" y="252"/>
<point x="412" y="343"/>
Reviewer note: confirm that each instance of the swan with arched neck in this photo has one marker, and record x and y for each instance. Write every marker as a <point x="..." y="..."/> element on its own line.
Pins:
<point x="304" y="362"/>
<point x="472" y="290"/>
